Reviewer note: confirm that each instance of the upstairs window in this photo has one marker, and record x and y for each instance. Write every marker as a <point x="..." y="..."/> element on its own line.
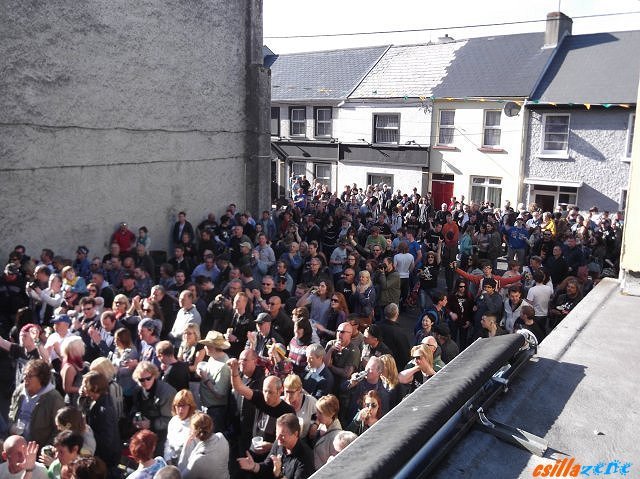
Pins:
<point x="323" y="122"/>
<point x="386" y="129"/>
<point x="446" y="127"/>
<point x="491" y="131"/>
<point x="275" y="121"/>
<point x="556" y="134"/>
<point x="298" y="121"/>
<point x="630" y="130"/>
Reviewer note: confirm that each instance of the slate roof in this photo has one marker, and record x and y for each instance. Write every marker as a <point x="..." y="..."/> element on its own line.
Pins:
<point x="593" y="68"/>
<point x="498" y="66"/>
<point x="408" y="71"/>
<point x="325" y="75"/>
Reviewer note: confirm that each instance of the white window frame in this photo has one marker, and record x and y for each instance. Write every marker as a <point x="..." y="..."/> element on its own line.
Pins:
<point x="628" y="149"/>
<point x="325" y="180"/>
<point x="554" y="153"/>
<point x="292" y="121"/>
<point x="317" y="122"/>
<point x="487" y="183"/>
<point x="385" y="129"/>
<point x="535" y="190"/>
<point x="447" y="127"/>
<point x="487" y="128"/>
<point x="389" y="183"/>
<point x="624" y="198"/>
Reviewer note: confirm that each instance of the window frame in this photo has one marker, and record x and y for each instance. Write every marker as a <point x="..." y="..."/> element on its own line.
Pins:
<point x="486" y="128"/>
<point x="487" y="183"/>
<point x="275" y="109"/>
<point x="303" y="121"/>
<point x="317" y="122"/>
<point x="321" y="178"/>
<point x="628" y="147"/>
<point x="448" y="126"/>
<point x="381" y="175"/>
<point x="555" y="153"/>
<point x="375" y="128"/>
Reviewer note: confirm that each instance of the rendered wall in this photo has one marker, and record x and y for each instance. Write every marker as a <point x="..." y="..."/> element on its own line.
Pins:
<point x="113" y="111"/>
<point x="597" y="147"/>
<point x="467" y="160"/>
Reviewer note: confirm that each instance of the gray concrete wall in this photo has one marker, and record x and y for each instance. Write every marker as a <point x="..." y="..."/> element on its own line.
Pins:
<point x="113" y="110"/>
<point x="597" y="142"/>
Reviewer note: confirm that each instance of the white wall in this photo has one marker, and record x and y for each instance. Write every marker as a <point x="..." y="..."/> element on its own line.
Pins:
<point x="404" y="178"/>
<point x="467" y="160"/>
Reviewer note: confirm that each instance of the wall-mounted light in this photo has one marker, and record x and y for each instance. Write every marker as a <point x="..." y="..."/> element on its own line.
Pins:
<point x="365" y="141"/>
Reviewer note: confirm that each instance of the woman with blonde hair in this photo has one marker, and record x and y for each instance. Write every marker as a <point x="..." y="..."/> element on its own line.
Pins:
<point x="390" y="379"/>
<point x="120" y="306"/>
<point x="364" y="298"/>
<point x="325" y="429"/>
<point x="72" y="350"/>
<point x="421" y="369"/>
<point x="108" y="370"/>
<point x="178" y="430"/>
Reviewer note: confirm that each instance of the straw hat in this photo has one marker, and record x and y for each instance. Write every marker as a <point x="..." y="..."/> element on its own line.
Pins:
<point x="215" y="339"/>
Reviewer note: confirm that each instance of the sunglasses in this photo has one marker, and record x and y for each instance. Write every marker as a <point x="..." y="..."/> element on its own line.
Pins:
<point x="334" y="300"/>
<point x="146" y="380"/>
<point x="370" y="404"/>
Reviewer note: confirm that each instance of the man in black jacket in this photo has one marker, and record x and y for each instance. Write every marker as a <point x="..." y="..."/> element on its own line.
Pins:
<point x="393" y="335"/>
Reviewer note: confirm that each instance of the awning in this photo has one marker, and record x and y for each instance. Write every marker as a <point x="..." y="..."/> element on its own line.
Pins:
<point x="548" y="182"/>
<point x="382" y="155"/>
<point x="307" y="151"/>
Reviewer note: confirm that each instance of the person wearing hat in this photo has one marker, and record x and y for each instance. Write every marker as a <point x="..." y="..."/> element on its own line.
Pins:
<point x="373" y="345"/>
<point x="129" y="288"/>
<point x="244" y="258"/>
<point x="81" y="264"/>
<point x="447" y="345"/>
<point x="263" y="337"/>
<point x="215" y="378"/>
<point x="61" y="324"/>
<point x="237" y="238"/>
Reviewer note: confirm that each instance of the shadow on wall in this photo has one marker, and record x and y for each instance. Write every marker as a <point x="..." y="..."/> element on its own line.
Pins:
<point x="585" y="149"/>
<point x="533" y="403"/>
<point x="589" y="196"/>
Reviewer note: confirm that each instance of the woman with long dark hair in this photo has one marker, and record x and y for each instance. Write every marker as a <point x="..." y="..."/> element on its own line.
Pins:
<point x="335" y="315"/>
<point x="303" y="337"/>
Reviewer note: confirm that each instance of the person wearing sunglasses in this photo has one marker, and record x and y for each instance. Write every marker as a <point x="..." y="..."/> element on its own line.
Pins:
<point x="152" y="402"/>
<point x="370" y="413"/>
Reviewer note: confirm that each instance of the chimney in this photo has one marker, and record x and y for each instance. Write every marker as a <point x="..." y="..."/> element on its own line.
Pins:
<point x="558" y="25"/>
<point x="445" y="39"/>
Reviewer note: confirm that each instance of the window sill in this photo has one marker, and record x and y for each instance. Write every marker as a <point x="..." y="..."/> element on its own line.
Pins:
<point x="548" y="156"/>
<point x="445" y="148"/>
<point x="625" y="159"/>
<point x="488" y="149"/>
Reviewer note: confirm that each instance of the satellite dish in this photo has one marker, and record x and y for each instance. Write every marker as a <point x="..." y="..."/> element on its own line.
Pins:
<point x="511" y="109"/>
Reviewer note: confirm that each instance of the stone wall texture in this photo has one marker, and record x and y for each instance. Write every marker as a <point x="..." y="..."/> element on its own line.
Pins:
<point x="113" y="110"/>
<point x="597" y="147"/>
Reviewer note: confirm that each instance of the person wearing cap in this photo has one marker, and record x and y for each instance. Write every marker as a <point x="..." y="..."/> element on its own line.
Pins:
<point x="129" y="288"/>
<point x="373" y="345"/>
<point x="237" y="238"/>
<point x="61" y="325"/>
<point x="215" y="381"/>
<point x="244" y="258"/>
<point x="125" y="238"/>
<point x="81" y="264"/>
<point x="263" y="337"/>
<point x="449" y="349"/>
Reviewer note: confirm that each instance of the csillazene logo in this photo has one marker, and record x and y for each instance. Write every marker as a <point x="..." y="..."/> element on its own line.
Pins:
<point x="569" y="467"/>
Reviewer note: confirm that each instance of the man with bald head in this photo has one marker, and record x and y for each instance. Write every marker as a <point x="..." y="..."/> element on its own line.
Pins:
<point x="20" y="458"/>
<point x="269" y="407"/>
<point x="280" y="321"/>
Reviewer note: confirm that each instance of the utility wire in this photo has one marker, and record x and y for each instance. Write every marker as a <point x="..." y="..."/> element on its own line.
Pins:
<point x="456" y="27"/>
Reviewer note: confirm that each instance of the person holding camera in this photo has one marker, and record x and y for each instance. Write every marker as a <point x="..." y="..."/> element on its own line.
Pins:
<point x="387" y="282"/>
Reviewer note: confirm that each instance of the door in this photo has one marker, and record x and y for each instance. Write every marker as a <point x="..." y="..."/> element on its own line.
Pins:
<point x="545" y="202"/>
<point x="441" y="192"/>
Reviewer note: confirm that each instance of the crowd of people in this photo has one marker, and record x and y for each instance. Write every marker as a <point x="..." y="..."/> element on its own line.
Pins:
<point x="264" y="346"/>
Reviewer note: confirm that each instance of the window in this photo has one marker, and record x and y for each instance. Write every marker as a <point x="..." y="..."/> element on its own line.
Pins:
<point x="630" y="129"/>
<point x="550" y="196"/>
<point x="556" y="134"/>
<point x="446" y="128"/>
<point x="323" y="174"/>
<point x="378" y="178"/>
<point x="386" y="128"/>
<point x="486" y="189"/>
<point x="491" y="133"/>
<point x="322" y="117"/>
<point x="275" y="121"/>
<point x="623" y="200"/>
<point x="299" y="169"/>
<point x="298" y="124"/>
